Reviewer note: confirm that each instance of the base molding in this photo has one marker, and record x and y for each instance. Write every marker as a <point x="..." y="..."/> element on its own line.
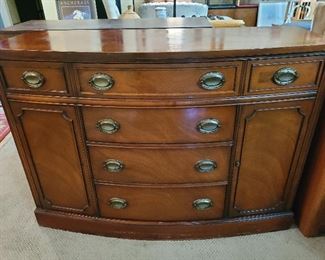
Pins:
<point x="163" y="230"/>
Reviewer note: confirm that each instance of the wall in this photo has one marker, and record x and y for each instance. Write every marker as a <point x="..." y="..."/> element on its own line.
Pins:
<point x="5" y="14"/>
<point x="1" y="22"/>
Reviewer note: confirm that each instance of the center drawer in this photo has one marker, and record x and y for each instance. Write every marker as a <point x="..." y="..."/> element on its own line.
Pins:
<point x="203" y="79"/>
<point x="158" y="165"/>
<point x="159" y="125"/>
<point x="160" y="203"/>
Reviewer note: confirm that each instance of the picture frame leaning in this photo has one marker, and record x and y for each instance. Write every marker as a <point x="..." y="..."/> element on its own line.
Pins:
<point x="76" y="9"/>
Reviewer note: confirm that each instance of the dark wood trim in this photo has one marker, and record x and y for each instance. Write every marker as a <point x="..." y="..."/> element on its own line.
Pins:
<point x="166" y="57"/>
<point x="163" y="103"/>
<point x="163" y="230"/>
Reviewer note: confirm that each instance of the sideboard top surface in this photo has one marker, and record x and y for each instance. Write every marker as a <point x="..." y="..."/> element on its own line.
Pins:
<point x="162" y="43"/>
<point x="99" y="24"/>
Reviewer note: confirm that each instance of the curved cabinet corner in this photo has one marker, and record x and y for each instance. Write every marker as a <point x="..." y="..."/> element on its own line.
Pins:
<point x="270" y="141"/>
<point x="51" y="139"/>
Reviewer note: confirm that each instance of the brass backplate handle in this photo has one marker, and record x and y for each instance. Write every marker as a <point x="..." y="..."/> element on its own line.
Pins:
<point x="202" y="204"/>
<point x="108" y="126"/>
<point x="208" y="126"/>
<point x="113" y="166"/>
<point x="212" y="80"/>
<point x="101" y="81"/>
<point x="205" y="166"/>
<point x="285" y="76"/>
<point x="33" y="79"/>
<point x="117" y="203"/>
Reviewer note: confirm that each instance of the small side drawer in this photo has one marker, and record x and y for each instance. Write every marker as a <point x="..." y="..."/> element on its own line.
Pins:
<point x="158" y="165"/>
<point x="221" y="78"/>
<point x="38" y="78"/>
<point x="283" y="75"/>
<point x="160" y="125"/>
<point x="161" y="204"/>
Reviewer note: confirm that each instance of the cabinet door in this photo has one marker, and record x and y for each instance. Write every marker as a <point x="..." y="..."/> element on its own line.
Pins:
<point x="269" y="144"/>
<point x="50" y="135"/>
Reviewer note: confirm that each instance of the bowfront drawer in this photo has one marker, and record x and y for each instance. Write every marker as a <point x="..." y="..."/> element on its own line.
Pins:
<point x="160" y="165"/>
<point x="161" y="204"/>
<point x="163" y="125"/>
<point x="154" y="80"/>
<point x="38" y="78"/>
<point x="283" y="75"/>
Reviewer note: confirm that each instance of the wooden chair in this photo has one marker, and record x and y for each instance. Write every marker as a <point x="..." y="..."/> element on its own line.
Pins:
<point x="299" y="10"/>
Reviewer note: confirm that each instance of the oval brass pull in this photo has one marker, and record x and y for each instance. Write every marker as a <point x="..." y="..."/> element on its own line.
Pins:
<point x="202" y="204"/>
<point x="212" y="80"/>
<point x="205" y="166"/>
<point x="108" y="126"/>
<point x="112" y="165"/>
<point x="117" y="203"/>
<point x="101" y="81"/>
<point x="33" y="79"/>
<point x="285" y="76"/>
<point x="208" y="126"/>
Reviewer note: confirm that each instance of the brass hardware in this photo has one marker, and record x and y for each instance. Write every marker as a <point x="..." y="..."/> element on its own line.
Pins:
<point x="285" y="76"/>
<point x="237" y="164"/>
<point x="33" y="79"/>
<point x="101" y="81"/>
<point x="112" y="165"/>
<point x="208" y="126"/>
<point x="205" y="166"/>
<point x="117" y="203"/>
<point x="108" y="126"/>
<point x="203" y="204"/>
<point x="212" y="80"/>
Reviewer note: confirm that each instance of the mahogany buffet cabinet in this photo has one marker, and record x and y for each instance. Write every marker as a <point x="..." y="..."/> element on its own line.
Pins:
<point x="163" y="133"/>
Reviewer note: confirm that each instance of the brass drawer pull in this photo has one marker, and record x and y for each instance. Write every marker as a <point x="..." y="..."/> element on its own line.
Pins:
<point x="108" y="126"/>
<point x="112" y="165"/>
<point x="33" y="79"/>
<point x="208" y="126"/>
<point x="203" y="204"/>
<point x="101" y="81"/>
<point x="117" y="203"/>
<point x="285" y="76"/>
<point x="212" y="80"/>
<point x="205" y="166"/>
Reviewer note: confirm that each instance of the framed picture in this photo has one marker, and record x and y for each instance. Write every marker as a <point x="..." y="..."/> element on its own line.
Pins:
<point x="76" y="9"/>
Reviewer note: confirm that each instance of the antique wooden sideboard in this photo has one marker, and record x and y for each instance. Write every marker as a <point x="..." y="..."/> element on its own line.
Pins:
<point x="163" y="133"/>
